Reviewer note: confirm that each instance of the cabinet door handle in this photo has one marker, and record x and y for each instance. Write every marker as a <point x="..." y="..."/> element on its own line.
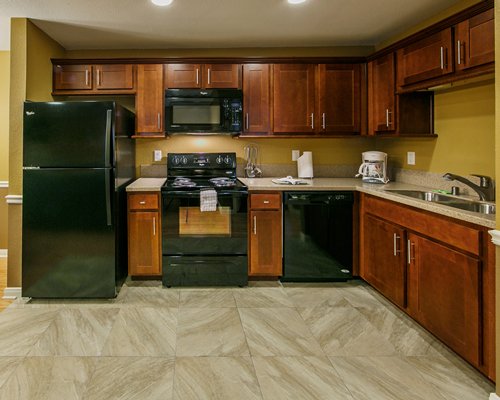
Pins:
<point x="142" y="202"/>
<point x="197" y="76"/>
<point x="98" y="77"/>
<point x="396" y="239"/>
<point x="86" y="77"/>
<point x="158" y="122"/>
<point x="254" y="224"/>
<point x="388" y="121"/>
<point x="247" y="122"/>
<point x="441" y="54"/>
<point x="312" y="120"/>
<point x="459" y="52"/>
<point x="324" y="121"/>
<point x="409" y="251"/>
<point x="209" y="76"/>
<point x="154" y="226"/>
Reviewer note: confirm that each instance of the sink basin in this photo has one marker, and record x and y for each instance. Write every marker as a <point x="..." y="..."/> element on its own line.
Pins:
<point x="450" y="201"/>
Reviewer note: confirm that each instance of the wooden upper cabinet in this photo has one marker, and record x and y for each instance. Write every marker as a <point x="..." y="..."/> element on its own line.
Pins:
<point x="256" y="98"/>
<point x="294" y="98"/>
<point x="114" y="76"/>
<point x="72" y="77"/>
<point x="149" y="99"/>
<point x="428" y="58"/>
<point x="475" y="41"/>
<point x="196" y="76"/>
<point x="221" y="76"/>
<point x="381" y="94"/>
<point x="444" y="294"/>
<point x="339" y="98"/>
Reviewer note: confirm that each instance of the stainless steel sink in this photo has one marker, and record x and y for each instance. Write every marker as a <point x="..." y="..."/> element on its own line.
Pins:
<point x="450" y="201"/>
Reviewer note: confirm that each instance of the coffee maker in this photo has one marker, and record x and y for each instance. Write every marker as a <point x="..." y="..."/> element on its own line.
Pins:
<point x="374" y="167"/>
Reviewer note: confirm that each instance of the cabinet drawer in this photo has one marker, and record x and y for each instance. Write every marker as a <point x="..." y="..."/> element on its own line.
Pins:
<point x="265" y="201"/>
<point x="143" y="201"/>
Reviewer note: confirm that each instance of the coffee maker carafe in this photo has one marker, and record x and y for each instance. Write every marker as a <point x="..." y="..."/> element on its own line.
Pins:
<point x="374" y="167"/>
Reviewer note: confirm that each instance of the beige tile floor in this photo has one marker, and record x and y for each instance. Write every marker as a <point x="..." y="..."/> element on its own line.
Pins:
<point x="266" y="341"/>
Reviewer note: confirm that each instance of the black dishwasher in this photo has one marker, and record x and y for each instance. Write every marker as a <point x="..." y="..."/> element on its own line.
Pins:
<point x="317" y="236"/>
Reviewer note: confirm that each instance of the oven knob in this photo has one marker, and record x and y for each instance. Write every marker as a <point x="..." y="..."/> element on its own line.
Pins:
<point x="176" y="160"/>
<point x="227" y="160"/>
<point x="184" y="160"/>
<point x="219" y="160"/>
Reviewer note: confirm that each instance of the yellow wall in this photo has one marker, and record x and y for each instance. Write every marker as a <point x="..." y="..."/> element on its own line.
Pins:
<point x="4" y="142"/>
<point x="465" y="122"/>
<point x="31" y="50"/>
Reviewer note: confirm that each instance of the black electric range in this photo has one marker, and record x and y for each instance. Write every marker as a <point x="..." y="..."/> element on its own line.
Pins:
<point x="204" y="248"/>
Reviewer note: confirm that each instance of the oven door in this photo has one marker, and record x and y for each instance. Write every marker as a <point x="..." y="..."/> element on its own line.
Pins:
<point x="186" y="231"/>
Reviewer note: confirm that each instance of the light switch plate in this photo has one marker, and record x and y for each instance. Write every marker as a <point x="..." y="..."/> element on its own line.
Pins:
<point x="411" y="158"/>
<point x="157" y="155"/>
<point x="295" y="155"/>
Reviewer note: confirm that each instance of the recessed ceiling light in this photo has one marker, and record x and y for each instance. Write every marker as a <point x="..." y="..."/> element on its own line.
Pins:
<point x="162" y="2"/>
<point x="296" y="1"/>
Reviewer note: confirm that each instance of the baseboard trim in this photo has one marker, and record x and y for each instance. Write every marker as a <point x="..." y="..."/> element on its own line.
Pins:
<point x="12" y="293"/>
<point x="14" y="199"/>
<point x="4" y="184"/>
<point x="3" y="253"/>
<point x="493" y="396"/>
<point x="495" y="238"/>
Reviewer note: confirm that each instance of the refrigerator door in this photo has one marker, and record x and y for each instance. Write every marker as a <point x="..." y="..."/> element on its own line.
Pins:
<point x="68" y="233"/>
<point x="69" y="134"/>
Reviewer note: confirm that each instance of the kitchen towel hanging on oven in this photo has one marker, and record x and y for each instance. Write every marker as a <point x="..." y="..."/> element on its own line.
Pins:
<point x="208" y="200"/>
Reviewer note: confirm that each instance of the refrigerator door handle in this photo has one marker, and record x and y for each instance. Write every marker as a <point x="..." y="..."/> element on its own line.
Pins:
<point x="108" y="197"/>
<point x="109" y="115"/>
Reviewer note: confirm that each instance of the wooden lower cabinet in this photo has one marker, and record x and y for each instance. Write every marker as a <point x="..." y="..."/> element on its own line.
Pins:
<point x="438" y="270"/>
<point x="444" y="294"/>
<point x="144" y="235"/>
<point x="385" y="263"/>
<point x="265" y="235"/>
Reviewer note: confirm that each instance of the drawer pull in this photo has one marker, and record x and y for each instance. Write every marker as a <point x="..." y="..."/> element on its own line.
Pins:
<point x="266" y="201"/>
<point x="142" y="202"/>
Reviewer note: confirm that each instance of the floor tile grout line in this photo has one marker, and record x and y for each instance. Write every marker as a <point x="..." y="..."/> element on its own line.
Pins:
<point x="329" y="358"/>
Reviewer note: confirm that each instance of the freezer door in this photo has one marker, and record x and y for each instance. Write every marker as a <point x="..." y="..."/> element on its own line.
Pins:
<point x="68" y="134"/>
<point x="68" y="233"/>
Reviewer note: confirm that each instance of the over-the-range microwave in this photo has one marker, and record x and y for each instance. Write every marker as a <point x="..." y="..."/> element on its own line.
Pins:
<point x="208" y="111"/>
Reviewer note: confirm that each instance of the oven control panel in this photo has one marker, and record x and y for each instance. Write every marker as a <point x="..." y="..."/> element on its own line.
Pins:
<point x="201" y="160"/>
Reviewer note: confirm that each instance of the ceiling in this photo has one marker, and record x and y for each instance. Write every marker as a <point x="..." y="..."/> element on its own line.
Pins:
<point x="138" y="24"/>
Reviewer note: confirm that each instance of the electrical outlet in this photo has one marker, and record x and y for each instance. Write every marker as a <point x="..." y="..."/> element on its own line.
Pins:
<point x="295" y="155"/>
<point x="157" y="155"/>
<point x="410" y="158"/>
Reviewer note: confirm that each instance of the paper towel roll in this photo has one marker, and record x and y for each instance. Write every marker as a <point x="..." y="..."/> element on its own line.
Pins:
<point x="305" y="165"/>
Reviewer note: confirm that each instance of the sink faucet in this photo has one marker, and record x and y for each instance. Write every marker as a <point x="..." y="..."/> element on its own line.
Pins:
<point x="485" y="190"/>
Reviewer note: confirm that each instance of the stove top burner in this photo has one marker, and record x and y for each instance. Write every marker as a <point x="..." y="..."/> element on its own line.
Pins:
<point x="223" y="182"/>
<point x="183" y="182"/>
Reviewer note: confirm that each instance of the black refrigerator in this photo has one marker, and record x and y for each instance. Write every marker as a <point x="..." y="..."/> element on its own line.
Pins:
<point x="78" y="157"/>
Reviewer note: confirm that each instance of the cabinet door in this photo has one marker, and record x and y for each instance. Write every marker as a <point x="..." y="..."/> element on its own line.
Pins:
<point x="428" y="58"/>
<point x="114" y="76"/>
<point x="475" y="41"/>
<point x="72" y="77"/>
<point x="221" y="76"/>
<point x="256" y="98"/>
<point x="149" y="98"/>
<point x="384" y="261"/>
<point x="444" y="294"/>
<point x="381" y="92"/>
<point x="184" y="76"/>
<point x="339" y="98"/>
<point x="144" y="243"/>
<point x="265" y="243"/>
<point x="294" y="97"/>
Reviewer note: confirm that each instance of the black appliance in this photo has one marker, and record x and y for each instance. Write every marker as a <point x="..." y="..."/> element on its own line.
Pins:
<point x="209" y="111"/>
<point x="77" y="159"/>
<point x="318" y="236"/>
<point x="204" y="248"/>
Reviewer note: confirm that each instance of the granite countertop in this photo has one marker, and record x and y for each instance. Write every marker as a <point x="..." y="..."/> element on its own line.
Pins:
<point x="266" y="184"/>
<point x="146" y="185"/>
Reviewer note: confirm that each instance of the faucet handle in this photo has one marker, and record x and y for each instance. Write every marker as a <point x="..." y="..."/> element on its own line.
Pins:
<point x="485" y="181"/>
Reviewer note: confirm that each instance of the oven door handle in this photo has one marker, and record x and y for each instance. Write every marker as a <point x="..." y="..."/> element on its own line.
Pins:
<point x="193" y="194"/>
